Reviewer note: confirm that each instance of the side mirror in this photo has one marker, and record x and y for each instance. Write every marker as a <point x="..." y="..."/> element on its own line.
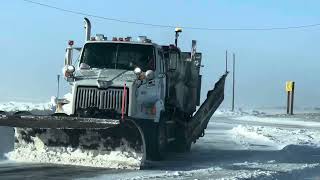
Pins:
<point x="68" y="56"/>
<point x="172" y="64"/>
<point x="173" y="61"/>
<point x="69" y="51"/>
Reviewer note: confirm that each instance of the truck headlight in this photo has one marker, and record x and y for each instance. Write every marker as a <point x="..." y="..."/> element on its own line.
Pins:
<point x="137" y="71"/>
<point x="150" y="75"/>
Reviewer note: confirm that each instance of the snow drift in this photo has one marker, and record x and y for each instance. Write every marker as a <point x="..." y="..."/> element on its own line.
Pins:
<point x="37" y="152"/>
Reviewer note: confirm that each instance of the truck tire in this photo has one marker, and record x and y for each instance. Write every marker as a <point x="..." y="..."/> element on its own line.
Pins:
<point x="158" y="144"/>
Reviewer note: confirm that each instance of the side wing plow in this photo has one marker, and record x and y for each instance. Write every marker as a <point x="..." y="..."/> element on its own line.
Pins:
<point x="200" y="120"/>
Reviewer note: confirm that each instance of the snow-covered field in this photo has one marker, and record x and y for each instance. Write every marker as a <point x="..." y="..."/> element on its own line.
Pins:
<point x="24" y="106"/>
<point x="237" y="145"/>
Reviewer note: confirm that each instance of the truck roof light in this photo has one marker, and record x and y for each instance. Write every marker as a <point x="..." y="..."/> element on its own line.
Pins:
<point x="148" y="41"/>
<point x="70" y="42"/>
<point x="127" y="39"/>
<point x="177" y="29"/>
<point x="114" y="39"/>
<point x="142" y="38"/>
<point x="92" y="38"/>
<point x="100" y="37"/>
<point x="120" y="39"/>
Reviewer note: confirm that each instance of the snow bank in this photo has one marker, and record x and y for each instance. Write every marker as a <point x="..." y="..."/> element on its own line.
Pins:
<point x="273" y="137"/>
<point x="238" y="112"/>
<point x="269" y="170"/>
<point x="25" y="106"/>
<point x="28" y="106"/>
<point x="280" y="121"/>
<point x="206" y="173"/>
<point x="121" y="158"/>
<point x="34" y="149"/>
<point x="236" y="171"/>
<point x="249" y="137"/>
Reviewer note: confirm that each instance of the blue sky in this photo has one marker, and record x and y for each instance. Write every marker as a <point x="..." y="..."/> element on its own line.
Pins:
<point x="33" y="41"/>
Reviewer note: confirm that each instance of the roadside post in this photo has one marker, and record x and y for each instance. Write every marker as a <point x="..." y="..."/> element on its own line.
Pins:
<point x="290" y="96"/>
<point x="233" y="79"/>
<point x="58" y="85"/>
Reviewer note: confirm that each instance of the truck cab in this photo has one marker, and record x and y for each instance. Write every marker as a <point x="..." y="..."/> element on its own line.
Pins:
<point x="119" y="76"/>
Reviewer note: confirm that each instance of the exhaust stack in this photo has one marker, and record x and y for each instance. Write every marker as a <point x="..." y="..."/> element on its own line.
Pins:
<point x="87" y="27"/>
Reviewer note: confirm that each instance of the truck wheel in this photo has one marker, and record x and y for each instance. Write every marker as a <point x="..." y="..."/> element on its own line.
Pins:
<point x="158" y="145"/>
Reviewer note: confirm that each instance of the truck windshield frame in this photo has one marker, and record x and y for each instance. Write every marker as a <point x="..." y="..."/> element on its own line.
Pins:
<point x="125" y="56"/>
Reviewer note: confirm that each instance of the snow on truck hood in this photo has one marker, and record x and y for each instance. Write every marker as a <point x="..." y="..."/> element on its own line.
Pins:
<point x="113" y="75"/>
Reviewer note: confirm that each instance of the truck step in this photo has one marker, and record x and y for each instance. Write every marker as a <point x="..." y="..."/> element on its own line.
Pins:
<point x="171" y="139"/>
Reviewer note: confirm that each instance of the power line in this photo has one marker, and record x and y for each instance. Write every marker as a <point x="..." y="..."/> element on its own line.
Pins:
<point x="171" y="26"/>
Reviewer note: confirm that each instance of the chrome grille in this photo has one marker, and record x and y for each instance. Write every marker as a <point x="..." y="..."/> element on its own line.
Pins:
<point x="110" y="98"/>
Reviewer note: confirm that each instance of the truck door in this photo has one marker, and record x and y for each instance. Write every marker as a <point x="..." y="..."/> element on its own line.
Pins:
<point x="161" y="75"/>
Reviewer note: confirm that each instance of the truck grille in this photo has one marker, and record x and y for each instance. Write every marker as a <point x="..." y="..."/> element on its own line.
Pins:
<point x="105" y="99"/>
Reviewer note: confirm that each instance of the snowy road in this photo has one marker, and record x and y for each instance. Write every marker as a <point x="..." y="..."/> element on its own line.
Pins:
<point x="235" y="146"/>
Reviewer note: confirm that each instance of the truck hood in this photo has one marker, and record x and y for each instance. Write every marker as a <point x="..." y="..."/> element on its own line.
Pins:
<point x="106" y="75"/>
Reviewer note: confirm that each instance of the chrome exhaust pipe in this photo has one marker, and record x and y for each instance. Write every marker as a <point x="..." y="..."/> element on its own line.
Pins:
<point x="87" y="27"/>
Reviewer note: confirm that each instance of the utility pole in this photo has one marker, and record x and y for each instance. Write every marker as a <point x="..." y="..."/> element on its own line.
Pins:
<point x="292" y="98"/>
<point x="233" y="80"/>
<point x="58" y="81"/>
<point x="226" y="61"/>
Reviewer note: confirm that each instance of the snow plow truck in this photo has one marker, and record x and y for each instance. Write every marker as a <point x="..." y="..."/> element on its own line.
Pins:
<point x="137" y="93"/>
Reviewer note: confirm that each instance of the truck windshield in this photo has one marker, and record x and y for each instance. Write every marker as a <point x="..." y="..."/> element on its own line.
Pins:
<point x="118" y="56"/>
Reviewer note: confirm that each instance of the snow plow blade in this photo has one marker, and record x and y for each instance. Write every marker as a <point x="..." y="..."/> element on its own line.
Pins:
<point x="57" y="122"/>
<point x="94" y="142"/>
<point x="200" y="120"/>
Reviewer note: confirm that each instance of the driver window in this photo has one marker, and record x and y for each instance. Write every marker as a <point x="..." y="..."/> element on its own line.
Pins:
<point x="161" y="70"/>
